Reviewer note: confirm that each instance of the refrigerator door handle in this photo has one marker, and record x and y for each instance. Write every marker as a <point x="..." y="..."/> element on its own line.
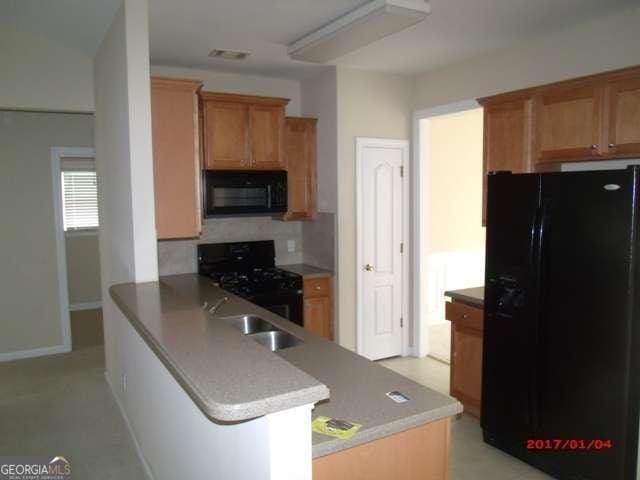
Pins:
<point x="539" y="241"/>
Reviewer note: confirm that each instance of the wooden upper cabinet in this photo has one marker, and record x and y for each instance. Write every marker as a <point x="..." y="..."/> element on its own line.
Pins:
<point x="300" y="155"/>
<point x="623" y="129"/>
<point x="176" y="157"/>
<point x="507" y="138"/>
<point x="267" y="129"/>
<point x="569" y="120"/>
<point x="226" y="135"/>
<point x="243" y="132"/>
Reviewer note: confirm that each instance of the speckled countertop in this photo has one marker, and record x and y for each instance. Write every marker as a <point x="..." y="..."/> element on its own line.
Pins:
<point x="471" y="296"/>
<point x="307" y="271"/>
<point x="231" y="377"/>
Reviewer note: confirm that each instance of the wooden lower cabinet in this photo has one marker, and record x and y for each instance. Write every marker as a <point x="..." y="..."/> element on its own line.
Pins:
<point x="318" y="306"/>
<point x="421" y="453"/>
<point x="467" y="326"/>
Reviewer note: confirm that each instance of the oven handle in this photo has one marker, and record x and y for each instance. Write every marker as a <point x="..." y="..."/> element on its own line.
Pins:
<point x="269" y="196"/>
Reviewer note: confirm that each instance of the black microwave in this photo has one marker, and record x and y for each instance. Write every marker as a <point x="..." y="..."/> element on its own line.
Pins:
<point x="228" y="192"/>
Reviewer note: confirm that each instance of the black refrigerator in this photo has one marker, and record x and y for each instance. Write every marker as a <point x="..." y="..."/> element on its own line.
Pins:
<point x="561" y="344"/>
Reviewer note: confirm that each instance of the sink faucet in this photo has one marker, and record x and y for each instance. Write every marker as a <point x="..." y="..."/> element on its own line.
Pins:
<point x="214" y="308"/>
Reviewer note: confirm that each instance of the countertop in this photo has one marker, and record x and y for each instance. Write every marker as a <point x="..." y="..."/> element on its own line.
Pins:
<point x="231" y="377"/>
<point x="470" y="296"/>
<point x="307" y="271"/>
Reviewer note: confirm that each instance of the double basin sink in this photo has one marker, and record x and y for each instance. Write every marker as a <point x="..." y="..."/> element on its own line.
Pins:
<point x="263" y="332"/>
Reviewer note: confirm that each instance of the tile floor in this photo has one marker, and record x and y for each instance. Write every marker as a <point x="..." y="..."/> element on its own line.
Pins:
<point x="472" y="459"/>
<point x="61" y="405"/>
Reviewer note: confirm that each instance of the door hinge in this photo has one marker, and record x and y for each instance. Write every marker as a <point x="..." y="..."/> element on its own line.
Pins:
<point x="401" y="322"/>
<point x="402" y="248"/>
<point x="402" y="171"/>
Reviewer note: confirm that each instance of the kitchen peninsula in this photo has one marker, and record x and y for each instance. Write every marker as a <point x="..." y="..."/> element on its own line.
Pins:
<point x="253" y="405"/>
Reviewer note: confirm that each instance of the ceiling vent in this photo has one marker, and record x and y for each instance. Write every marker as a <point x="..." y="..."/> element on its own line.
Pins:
<point x="358" y="28"/>
<point x="228" y="54"/>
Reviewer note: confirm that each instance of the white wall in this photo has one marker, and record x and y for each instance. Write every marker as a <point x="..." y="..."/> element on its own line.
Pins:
<point x="369" y="105"/>
<point x="238" y="83"/>
<point x="39" y="74"/>
<point x="30" y="322"/>
<point x="605" y="43"/>
<point x="319" y="100"/>
<point x="124" y="164"/>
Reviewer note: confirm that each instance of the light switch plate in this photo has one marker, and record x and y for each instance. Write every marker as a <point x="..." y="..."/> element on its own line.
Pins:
<point x="291" y="246"/>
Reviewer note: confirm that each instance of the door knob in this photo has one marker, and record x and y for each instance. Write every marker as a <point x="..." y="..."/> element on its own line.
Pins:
<point x="368" y="267"/>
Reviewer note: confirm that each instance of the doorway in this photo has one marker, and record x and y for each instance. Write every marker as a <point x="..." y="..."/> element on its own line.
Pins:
<point x="76" y="221"/>
<point x="451" y="235"/>
<point x="382" y="233"/>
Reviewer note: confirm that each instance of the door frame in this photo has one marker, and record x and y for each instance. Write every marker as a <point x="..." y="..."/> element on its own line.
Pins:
<point x="420" y="219"/>
<point x="57" y="154"/>
<point x="361" y="143"/>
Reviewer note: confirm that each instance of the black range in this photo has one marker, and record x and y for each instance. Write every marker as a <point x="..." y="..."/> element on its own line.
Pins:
<point x="247" y="269"/>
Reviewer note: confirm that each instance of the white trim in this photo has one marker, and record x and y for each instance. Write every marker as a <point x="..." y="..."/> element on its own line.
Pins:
<point x="57" y="154"/>
<point x="362" y="142"/>
<point x="147" y="468"/>
<point x="36" y="352"/>
<point x="420" y="194"/>
<point x="74" y="307"/>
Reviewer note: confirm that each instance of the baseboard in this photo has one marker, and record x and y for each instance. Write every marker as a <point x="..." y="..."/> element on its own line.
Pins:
<point x="145" y="464"/>
<point x="37" y="352"/>
<point x="74" y="307"/>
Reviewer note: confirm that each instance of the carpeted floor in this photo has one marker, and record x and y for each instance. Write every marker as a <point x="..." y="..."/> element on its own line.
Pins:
<point x="60" y="405"/>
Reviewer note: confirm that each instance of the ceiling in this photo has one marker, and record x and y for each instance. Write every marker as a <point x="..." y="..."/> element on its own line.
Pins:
<point x="182" y="33"/>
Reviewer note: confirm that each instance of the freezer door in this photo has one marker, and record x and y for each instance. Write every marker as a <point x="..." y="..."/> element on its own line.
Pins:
<point x="508" y="355"/>
<point x="583" y="334"/>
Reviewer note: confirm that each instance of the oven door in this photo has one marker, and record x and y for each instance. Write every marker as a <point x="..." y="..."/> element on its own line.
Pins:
<point x="235" y="192"/>
<point x="287" y="304"/>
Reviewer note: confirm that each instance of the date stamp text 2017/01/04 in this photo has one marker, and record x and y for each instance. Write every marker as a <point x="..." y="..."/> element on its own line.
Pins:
<point x="568" y="444"/>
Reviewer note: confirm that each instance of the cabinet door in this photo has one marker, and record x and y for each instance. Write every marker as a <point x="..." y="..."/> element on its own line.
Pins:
<point x="507" y="140"/>
<point x="226" y="127"/>
<point x="176" y="157"/>
<point x="466" y="367"/>
<point x="266" y="134"/>
<point x="569" y="123"/>
<point x="624" y="118"/>
<point x="300" y="157"/>
<point x="317" y="316"/>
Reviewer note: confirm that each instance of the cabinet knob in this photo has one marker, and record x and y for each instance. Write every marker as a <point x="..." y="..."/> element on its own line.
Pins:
<point x="612" y="145"/>
<point x="368" y="267"/>
<point x="594" y="147"/>
<point x="465" y="315"/>
<point x="318" y="287"/>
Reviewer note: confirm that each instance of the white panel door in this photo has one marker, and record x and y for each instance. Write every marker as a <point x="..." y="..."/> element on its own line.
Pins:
<point x="380" y="241"/>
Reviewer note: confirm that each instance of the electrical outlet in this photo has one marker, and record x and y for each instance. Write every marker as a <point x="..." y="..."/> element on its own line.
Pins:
<point x="124" y="382"/>
<point x="291" y="246"/>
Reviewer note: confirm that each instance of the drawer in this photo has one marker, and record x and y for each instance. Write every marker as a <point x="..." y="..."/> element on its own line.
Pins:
<point x="464" y="315"/>
<point x="317" y="287"/>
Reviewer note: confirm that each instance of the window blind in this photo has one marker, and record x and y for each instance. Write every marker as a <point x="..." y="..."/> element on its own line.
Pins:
<point x="79" y="199"/>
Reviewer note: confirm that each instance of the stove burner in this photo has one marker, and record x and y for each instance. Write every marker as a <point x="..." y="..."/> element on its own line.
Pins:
<point x="257" y="280"/>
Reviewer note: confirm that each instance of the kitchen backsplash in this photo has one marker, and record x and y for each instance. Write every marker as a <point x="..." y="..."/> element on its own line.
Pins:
<point x="179" y="256"/>
<point x="318" y="238"/>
